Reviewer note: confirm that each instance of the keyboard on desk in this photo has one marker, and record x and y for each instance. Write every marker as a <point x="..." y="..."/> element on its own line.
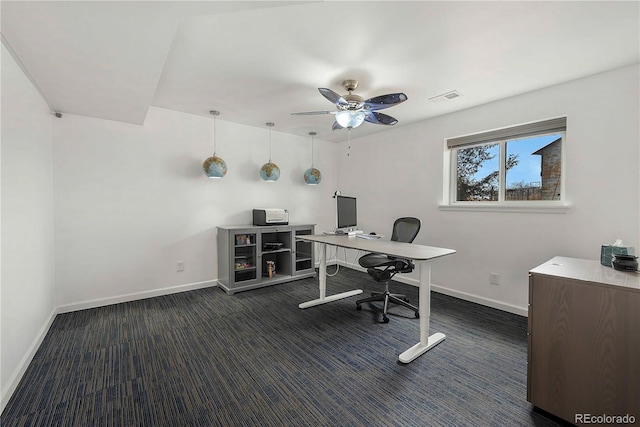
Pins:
<point x="368" y="236"/>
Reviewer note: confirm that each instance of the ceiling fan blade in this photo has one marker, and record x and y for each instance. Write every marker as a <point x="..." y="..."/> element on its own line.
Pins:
<point x="385" y="101"/>
<point x="333" y="97"/>
<point x="310" y="113"/>
<point x="379" y="118"/>
<point x="336" y="126"/>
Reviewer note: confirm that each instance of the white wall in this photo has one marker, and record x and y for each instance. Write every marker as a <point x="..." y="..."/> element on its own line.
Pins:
<point x="602" y="186"/>
<point x="132" y="201"/>
<point x="27" y="279"/>
<point x="128" y="203"/>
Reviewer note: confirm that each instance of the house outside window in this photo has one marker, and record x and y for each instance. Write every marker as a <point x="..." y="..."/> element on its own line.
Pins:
<point x="518" y="165"/>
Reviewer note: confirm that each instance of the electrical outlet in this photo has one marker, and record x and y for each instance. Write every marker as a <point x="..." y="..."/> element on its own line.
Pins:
<point x="180" y="266"/>
<point x="494" y="278"/>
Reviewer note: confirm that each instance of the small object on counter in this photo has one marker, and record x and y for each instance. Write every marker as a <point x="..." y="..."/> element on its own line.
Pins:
<point x="625" y="262"/>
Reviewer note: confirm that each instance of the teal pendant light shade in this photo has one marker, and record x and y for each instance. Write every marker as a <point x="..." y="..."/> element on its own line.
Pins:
<point x="214" y="166"/>
<point x="312" y="176"/>
<point x="270" y="172"/>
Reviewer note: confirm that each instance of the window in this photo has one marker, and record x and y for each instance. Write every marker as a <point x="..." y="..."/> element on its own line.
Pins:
<point x="509" y="166"/>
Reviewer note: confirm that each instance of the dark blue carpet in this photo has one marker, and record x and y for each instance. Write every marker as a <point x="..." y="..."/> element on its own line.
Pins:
<point x="204" y="358"/>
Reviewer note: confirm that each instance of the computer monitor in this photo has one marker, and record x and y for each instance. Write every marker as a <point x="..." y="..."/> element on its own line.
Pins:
<point x="347" y="213"/>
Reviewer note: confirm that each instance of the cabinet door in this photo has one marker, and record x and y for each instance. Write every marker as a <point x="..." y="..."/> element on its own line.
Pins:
<point x="245" y="261"/>
<point x="584" y="348"/>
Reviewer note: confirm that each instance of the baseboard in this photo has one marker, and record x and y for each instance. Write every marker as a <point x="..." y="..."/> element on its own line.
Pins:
<point x="13" y="382"/>
<point x="100" y="302"/>
<point x="509" y="308"/>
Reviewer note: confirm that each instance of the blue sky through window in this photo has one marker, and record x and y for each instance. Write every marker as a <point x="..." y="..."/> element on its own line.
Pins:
<point x="527" y="170"/>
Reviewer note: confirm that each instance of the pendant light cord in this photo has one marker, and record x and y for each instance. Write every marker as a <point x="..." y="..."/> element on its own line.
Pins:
<point x="312" y="135"/>
<point x="213" y="134"/>
<point x="269" y="145"/>
<point x="270" y="125"/>
<point x="214" y="113"/>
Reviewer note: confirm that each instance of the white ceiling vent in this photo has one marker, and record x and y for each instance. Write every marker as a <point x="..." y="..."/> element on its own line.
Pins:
<point x="446" y="96"/>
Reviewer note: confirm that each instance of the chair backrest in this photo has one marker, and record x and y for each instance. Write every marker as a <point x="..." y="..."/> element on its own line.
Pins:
<point x="405" y="229"/>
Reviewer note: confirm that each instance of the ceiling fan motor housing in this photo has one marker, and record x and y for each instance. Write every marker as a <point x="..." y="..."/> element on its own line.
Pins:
<point x="350" y="85"/>
<point x="355" y="102"/>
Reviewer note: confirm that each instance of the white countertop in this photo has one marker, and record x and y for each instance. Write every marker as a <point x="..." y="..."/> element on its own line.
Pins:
<point x="397" y="249"/>
<point x="588" y="270"/>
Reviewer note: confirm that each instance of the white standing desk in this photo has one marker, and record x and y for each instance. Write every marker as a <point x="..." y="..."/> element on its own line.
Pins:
<point x="422" y="255"/>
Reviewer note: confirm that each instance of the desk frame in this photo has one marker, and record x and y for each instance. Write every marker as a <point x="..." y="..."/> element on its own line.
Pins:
<point x="422" y="255"/>
<point x="322" y="279"/>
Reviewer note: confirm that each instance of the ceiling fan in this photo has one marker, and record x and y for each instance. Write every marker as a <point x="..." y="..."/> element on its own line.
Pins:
<point x="353" y="110"/>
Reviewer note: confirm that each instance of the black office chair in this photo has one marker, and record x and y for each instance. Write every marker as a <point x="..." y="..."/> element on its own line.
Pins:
<point x="382" y="267"/>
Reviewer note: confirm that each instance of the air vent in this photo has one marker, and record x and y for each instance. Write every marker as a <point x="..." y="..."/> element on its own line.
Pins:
<point x="446" y="96"/>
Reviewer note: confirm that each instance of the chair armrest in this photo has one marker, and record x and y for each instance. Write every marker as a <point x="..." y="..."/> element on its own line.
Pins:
<point x="403" y="265"/>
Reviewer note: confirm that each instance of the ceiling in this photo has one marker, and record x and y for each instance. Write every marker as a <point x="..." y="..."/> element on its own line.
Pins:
<point x="259" y="61"/>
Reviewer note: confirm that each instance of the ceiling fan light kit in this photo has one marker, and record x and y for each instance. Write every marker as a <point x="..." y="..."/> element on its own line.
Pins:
<point x="350" y="119"/>
<point x="214" y="166"/>
<point x="270" y="172"/>
<point x="352" y="110"/>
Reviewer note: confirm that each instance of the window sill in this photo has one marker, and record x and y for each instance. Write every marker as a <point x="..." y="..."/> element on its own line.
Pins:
<point x="559" y="208"/>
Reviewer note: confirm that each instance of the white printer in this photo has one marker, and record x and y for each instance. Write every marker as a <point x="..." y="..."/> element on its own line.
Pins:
<point x="262" y="216"/>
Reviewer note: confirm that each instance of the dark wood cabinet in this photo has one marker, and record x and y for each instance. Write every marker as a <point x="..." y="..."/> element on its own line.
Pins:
<point x="584" y="340"/>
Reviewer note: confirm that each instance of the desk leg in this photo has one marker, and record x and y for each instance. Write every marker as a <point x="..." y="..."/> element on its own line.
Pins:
<point x="426" y="342"/>
<point x="322" y="279"/>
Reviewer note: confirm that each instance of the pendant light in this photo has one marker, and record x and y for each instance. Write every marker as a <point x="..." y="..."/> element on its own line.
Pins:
<point x="312" y="176"/>
<point x="214" y="166"/>
<point x="270" y="172"/>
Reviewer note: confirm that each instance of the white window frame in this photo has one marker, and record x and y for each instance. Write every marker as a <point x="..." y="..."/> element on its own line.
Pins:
<point x="501" y="136"/>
